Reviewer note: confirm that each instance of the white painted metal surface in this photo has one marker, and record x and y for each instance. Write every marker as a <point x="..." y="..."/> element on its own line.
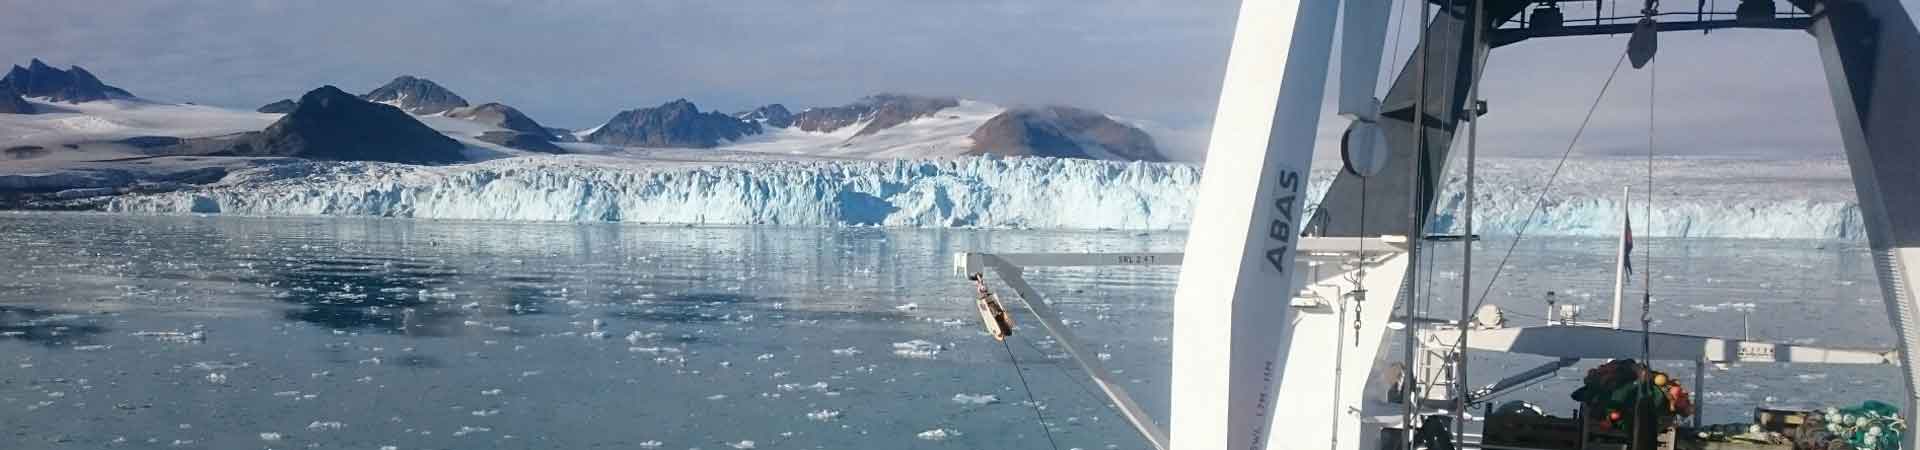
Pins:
<point x="1231" y="310"/>
<point x="1595" y="342"/>
<point x="1324" y="348"/>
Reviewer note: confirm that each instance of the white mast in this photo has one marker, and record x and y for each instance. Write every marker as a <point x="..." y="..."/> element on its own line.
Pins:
<point x="1620" y="256"/>
<point x="1231" y="310"/>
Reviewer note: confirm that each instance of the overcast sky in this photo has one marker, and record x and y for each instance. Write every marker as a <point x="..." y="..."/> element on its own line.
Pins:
<point x="574" y="63"/>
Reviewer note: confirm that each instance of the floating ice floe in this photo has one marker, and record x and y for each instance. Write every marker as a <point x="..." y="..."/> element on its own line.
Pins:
<point x="975" y="399"/>
<point x="466" y="430"/>
<point x="849" y="351"/>
<point x="908" y="307"/>
<point x="938" y="434"/>
<point x="270" y="437"/>
<point x="917" y="348"/>
<point x="651" y="444"/>
<point x="326" y="425"/>
<point x="823" y="415"/>
<point x="742" y="445"/>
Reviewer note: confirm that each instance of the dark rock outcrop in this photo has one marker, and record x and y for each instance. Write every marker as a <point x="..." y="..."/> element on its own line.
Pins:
<point x="74" y="85"/>
<point x="675" y="124"/>
<point x="879" y="112"/>
<point x="11" y="103"/>
<point x="1063" y="132"/>
<point x="522" y="131"/>
<point x="330" y="124"/>
<point x="416" y="95"/>
<point x="280" y="107"/>
<point x="774" y="115"/>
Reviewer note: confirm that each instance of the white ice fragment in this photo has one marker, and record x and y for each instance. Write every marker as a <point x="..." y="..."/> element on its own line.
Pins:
<point x="975" y="399"/>
<point x="717" y="397"/>
<point x="326" y="425"/>
<point x="490" y="392"/>
<point x="764" y="357"/>
<point x="938" y="434"/>
<point x="269" y="437"/>
<point x="651" y="444"/>
<point x="90" y="348"/>
<point x="635" y="337"/>
<point x="917" y="348"/>
<point x="908" y="307"/>
<point x="742" y="445"/>
<point x="823" y="415"/>
<point x="849" y="351"/>
<point x="216" y="378"/>
<point x="466" y="430"/>
<point x="485" y="412"/>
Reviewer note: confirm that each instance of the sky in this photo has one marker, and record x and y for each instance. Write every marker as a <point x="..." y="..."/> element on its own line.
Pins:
<point x="1159" y="63"/>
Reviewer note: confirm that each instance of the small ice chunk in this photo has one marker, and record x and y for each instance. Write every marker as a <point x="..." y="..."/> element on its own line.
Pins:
<point x="1104" y="356"/>
<point x="216" y="378"/>
<point x="717" y="397"/>
<point x="908" y="307"/>
<point x="651" y="444"/>
<point x="486" y="412"/>
<point x="975" y="399"/>
<point x="466" y="430"/>
<point x="823" y="415"/>
<point x="742" y="445"/>
<point x="764" y="357"/>
<point x="917" y="348"/>
<point x="849" y="351"/>
<point x="91" y="348"/>
<point x="327" y="425"/>
<point x="490" y="392"/>
<point x="938" y="434"/>
<point x="270" y="437"/>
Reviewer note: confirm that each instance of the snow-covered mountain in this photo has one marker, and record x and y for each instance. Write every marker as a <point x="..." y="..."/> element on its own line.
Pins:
<point x="885" y="126"/>
<point x="1716" y="199"/>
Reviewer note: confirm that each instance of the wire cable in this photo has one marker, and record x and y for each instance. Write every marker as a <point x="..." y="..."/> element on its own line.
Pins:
<point x="1540" y="201"/>
<point x="1030" y="400"/>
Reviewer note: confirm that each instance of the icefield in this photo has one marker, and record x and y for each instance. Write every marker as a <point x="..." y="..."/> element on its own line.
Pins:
<point x="1750" y="199"/>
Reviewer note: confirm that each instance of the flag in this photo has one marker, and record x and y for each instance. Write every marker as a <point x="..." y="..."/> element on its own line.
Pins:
<point x="1626" y="242"/>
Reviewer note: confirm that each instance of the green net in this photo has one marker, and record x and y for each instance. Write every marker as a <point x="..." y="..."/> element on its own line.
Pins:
<point x="1871" y="426"/>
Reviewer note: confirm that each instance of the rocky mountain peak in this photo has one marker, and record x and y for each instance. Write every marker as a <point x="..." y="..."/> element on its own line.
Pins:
<point x="677" y="123"/>
<point x="416" y="95"/>
<point x="774" y="115"/>
<point x="879" y="112"/>
<point x="1063" y="132"/>
<point x="74" y="85"/>
<point x="328" y="123"/>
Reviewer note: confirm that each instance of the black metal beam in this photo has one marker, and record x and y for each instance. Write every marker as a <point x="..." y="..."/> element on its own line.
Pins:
<point x="1504" y="36"/>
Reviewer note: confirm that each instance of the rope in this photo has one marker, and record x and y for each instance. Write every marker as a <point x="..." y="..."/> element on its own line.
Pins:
<point x="1097" y="398"/>
<point x="1030" y="400"/>
<point x="1646" y="300"/>
<point x="1540" y="201"/>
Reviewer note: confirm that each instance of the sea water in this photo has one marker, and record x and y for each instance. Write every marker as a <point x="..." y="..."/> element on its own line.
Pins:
<point x="232" y="332"/>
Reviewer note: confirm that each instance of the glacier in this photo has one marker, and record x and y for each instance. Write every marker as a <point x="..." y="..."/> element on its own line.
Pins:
<point x="1739" y="199"/>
